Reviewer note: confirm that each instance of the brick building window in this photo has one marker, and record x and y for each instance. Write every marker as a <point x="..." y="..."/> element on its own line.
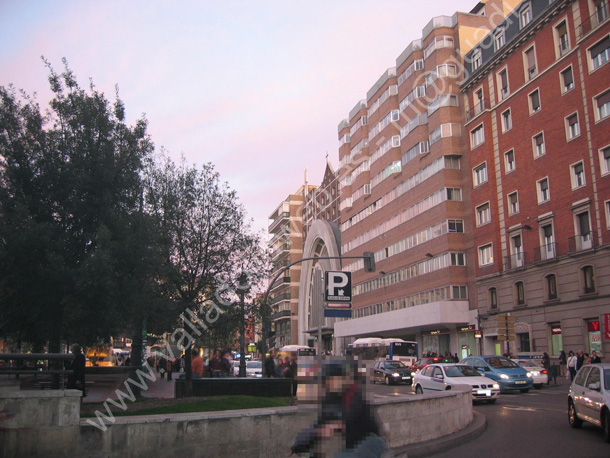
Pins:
<point x="513" y="203"/>
<point x="477" y="59"/>
<point x="577" y="174"/>
<point x="499" y="38"/>
<point x="547" y="249"/>
<point x="599" y="53"/>
<point x="572" y="126"/>
<point x="544" y="194"/>
<point x="486" y="255"/>
<point x="538" y="145"/>
<point x="562" y="39"/>
<point x="479" y="174"/>
<point x="602" y="106"/>
<point x="503" y="83"/>
<point x="483" y="214"/>
<point x="604" y="159"/>
<point x="509" y="161"/>
<point x="507" y="121"/>
<point x="477" y="136"/>
<point x="529" y="62"/>
<point x="567" y="80"/>
<point x="526" y="15"/>
<point x="534" y="101"/>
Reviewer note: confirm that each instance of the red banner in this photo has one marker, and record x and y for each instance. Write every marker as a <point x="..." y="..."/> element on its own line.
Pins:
<point x="607" y="330"/>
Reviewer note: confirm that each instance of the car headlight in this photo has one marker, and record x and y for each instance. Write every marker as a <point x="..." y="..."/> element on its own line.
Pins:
<point x="529" y="374"/>
<point x="496" y="386"/>
<point x="395" y="374"/>
<point x="504" y="376"/>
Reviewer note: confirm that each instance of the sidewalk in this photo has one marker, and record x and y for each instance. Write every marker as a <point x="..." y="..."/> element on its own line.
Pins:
<point x="105" y="387"/>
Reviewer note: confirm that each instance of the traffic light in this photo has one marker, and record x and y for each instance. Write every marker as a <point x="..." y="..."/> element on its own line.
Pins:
<point x="369" y="261"/>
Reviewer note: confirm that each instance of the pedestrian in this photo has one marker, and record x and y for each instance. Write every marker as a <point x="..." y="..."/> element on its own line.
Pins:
<point x="169" y="367"/>
<point x="290" y="372"/>
<point x="595" y="359"/>
<point x="456" y="359"/>
<point x="343" y="411"/>
<point x="162" y="366"/>
<point x="270" y="365"/>
<point x="580" y="360"/>
<point x="216" y="364"/>
<point x="572" y="361"/>
<point x="563" y="363"/>
<point x="226" y="364"/>
<point x="546" y="363"/>
<point x="76" y="380"/>
<point x="196" y="364"/>
<point x="586" y="359"/>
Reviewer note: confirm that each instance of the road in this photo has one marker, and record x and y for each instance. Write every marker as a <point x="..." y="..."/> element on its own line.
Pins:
<point x="533" y="424"/>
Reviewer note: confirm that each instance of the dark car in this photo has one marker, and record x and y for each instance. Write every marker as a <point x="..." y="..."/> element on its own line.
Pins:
<point x="423" y="362"/>
<point x="391" y="372"/>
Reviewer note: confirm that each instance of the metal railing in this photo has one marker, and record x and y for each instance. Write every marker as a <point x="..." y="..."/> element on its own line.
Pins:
<point x="595" y="20"/>
<point x="20" y="369"/>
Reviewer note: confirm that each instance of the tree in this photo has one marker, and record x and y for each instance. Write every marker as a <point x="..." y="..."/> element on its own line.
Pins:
<point x="70" y="197"/>
<point x="209" y="236"/>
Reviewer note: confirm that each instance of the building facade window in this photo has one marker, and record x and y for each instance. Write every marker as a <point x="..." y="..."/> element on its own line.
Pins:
<point x="477" y="136"/>
<point x="479" y="174"/>
<point x="486" y="255"/>
<point x="599" y="53"/>
<point x="582" y="223"/>
<point x="483" y="214"/>
<point x="477" y="59"/>
<point x="503" y="84"/>
<point x="520" y="293"/>
<point x="547" y="248"/>
<point x="526" y="15"/>
<point x="567" y="80"/>
<point x="607" y="207"/>
<point x="499" y="38"/>
<point x="604" y="159"/>
<point x="534" y="101"/>
<point x="572" y="126"/>
<point x="538" y="145"/>
<point x="493" y="298"/>
<point x="602" y="106"/>
<point x="529" y="62"/>
<point x="507" y="121"/>
<point x="588" y="277"/>
<point x="551" y="287"/>
<point x="509" y="161"/>
<point x="479" y="101"/>
<point x="544" y="194"/>
<point x="577" y="174"/>
<point x="516" y="248"/>
<point x="513" y="203"/>
<point x="556" y="339"/>
<point x="562" y="39"/>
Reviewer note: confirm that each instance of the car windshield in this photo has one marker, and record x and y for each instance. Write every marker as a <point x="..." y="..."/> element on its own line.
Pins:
<point x="461" y="371"/>
<point x="501" y="363"/>
<point x="607" y="379"/>
<point x="395" y="365"/>
<point x="528" y="364"/>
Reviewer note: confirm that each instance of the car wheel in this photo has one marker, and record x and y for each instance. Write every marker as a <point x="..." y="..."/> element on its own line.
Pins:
<point x="419" y="390"/>
<point x="575" y="422"/>
<point x="606" y="424"/>
<point x="538" y="386"/>
<point x="387" y="380"/>
<point x="491" y="401"/>
<point x="525" y="390"/>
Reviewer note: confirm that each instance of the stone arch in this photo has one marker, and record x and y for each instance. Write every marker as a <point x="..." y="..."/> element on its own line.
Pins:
<point x="323" y="240"/>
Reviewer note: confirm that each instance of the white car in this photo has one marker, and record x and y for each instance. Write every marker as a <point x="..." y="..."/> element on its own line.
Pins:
<point x="442" y="377"/>
<point x="589" y="397"/>
<point x="535" y="371"/>
<point x="254" y="368"/>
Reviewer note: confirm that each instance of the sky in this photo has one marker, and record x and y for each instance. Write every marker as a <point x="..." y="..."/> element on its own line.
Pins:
<point x="256" y="87"/>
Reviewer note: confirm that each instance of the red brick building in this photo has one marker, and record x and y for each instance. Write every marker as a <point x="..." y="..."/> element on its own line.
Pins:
<point x="537" y="128"/>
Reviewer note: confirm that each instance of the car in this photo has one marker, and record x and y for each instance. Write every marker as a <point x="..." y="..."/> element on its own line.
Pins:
<point x="391" y="372"/>
<point x="509" y="375"/>
<point x="443" y="377"/>
<point x="423" y="362"/>
<point x="534" y="368"/>
<point x="254" y="368"/>
<point x="589" y="397"/>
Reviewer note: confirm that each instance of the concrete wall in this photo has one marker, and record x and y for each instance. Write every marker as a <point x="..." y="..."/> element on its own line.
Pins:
<point x="253" y="433"/>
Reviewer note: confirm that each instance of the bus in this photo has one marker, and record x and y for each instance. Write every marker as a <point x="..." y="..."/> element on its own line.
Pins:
<point x="375" y="348"/>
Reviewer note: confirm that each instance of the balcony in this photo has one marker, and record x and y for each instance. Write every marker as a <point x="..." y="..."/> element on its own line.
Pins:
<point x="281" y="314"/>
<point x="281" y="249"/>
<point x="478" y="108"/>
<point x="581" y="242"/>
<point x="546" y="252"/>
<point x="514" y="261"/>
<point x="280" y="298"/>
<point x="599" y="17"/>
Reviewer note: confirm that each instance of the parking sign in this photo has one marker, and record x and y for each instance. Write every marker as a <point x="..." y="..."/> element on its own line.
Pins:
<point x="338" y="286"/>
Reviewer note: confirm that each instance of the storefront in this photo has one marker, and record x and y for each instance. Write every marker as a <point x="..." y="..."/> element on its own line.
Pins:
<point x="436" y="341"/>
<point x="467" y="343"/>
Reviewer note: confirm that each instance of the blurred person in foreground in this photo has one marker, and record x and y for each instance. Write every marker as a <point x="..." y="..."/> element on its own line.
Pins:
<point x="345" y="411"/>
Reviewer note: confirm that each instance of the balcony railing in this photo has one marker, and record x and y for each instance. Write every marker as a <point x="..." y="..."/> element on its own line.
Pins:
<point x="514" y="261"/>
<point x="546" y="252"/>
<point x="281" y="314"/>
<point x="582" y="242"/>
<point x="283" y="247"/>
<point x="600" y="16"/>
<point x="477" y="109"/>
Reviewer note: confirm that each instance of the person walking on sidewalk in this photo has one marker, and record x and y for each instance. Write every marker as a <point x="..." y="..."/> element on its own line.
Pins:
<point x="572" y="360"/>
<point x="563" y="363"/>
<point x="170" y="368"/>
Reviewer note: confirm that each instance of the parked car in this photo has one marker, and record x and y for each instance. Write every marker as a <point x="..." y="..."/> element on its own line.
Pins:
<point x="534" y="369"/>
<point x="443" y="377"/>
<point x="509" y="375"/>
<point x="254" y="368"/>
<point x="423" y="362"/>
<point x="391" y="372"/>
<point x="589" y="397"/>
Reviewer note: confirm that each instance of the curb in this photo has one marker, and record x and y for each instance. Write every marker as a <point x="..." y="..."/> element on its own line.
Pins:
<point x="472" y="431"/>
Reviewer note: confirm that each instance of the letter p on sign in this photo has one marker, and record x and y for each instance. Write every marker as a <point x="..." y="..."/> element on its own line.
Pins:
<point x="338" y="286"/>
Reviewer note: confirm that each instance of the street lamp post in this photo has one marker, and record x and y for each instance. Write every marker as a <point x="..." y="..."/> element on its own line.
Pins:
<point x="242" y="289"/>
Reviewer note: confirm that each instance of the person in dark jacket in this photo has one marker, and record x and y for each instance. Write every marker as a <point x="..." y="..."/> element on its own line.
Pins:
<point x="270" y="365"/>
<point x="76" y="380"/>
<point x="546" y="363"/>
<point x="344" y="410"/>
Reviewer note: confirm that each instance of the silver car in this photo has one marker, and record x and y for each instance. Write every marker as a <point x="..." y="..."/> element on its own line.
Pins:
<point x="589" y="397"/>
